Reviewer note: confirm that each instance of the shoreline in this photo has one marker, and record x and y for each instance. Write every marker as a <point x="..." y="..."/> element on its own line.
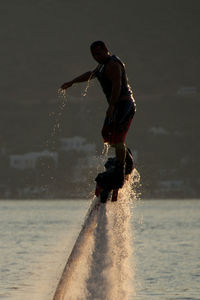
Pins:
<point x="88" y="199"/>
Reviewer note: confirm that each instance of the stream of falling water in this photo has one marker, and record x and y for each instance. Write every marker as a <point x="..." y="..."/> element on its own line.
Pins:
<point x="101" y="265"/>
<point x="57" y="115"/>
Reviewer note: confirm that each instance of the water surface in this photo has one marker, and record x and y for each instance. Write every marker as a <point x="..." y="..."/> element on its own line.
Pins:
<point x="36" y="238"/>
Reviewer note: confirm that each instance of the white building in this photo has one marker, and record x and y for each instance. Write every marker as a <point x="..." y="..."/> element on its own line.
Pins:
<point x="77" y="143"/>
<point x="28" y="160"/>
<point x="158" y="130"/>
<point x="187" y="91"/>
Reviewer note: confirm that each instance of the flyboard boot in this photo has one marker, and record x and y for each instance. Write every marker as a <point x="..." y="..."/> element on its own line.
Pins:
<point x="110" y="181"/>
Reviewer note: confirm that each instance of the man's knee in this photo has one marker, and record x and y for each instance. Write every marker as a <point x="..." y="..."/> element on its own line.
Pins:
<point x="119" y="146"/>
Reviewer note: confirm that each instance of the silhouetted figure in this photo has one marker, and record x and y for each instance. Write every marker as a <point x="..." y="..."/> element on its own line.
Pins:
<point x="112" y="76"/>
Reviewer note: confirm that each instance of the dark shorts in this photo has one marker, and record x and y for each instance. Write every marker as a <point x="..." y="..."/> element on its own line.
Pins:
<point x="114" y="131"/>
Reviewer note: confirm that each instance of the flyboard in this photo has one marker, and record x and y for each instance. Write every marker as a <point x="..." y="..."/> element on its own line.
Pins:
<point x="108" y="182"/>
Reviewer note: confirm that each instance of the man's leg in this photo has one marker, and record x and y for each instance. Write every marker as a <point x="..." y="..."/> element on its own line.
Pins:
<point x="119" y="170"/>
<point x="120" y="152"/>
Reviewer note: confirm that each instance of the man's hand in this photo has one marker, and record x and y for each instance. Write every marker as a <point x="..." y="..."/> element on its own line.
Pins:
<point x="110" y="111"/>
<point x="66" y="85"/>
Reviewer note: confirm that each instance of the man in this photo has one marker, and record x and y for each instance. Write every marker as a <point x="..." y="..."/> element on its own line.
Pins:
<point x="121" y="105"/>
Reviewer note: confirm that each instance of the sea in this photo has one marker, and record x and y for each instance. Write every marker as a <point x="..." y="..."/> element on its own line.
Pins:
<point x="158" y="246"/>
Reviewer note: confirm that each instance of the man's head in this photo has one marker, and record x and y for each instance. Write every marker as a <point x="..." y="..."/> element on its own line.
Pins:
<point x="99" y="51"/>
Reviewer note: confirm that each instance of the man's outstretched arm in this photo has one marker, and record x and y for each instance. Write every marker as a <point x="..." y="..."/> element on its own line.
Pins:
<point x="84" y="77"/>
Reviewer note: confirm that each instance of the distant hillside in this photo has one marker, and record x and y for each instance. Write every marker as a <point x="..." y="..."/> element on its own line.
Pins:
<point x="164" y="134"/>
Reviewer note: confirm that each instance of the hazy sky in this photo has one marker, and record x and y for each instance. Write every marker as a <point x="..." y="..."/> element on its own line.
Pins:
<point x="46" y="42"/>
